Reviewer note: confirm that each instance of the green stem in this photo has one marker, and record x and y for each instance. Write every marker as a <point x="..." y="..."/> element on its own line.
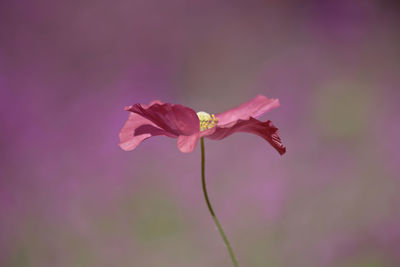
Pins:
<point x="203" y="180"/>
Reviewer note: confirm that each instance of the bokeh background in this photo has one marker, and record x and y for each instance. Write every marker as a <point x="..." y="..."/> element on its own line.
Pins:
<point x="69" y="196"/>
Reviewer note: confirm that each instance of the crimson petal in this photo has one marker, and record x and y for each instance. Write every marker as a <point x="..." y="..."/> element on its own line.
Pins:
<point x="137" y="129"/>
<point x="187" y="143"/>
<point x="253" y="108"/>
<point x="175" y="119"/>
<point x="265" y="130"/>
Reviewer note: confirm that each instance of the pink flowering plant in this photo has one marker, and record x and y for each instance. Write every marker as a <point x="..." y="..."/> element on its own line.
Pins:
<point x="188" y="127"/>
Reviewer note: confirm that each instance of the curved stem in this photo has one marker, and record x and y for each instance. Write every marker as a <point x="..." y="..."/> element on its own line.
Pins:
<point x="203" y="180"/>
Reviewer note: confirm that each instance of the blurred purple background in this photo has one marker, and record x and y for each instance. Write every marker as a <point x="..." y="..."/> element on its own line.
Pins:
<point x="69" y="196"/>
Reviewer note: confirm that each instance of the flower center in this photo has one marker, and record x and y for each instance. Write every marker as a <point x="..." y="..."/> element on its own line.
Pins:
<point x="207" y="121"/>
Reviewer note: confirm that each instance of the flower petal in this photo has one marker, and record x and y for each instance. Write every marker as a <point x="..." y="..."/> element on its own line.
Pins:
<point x="136" y="129"/>
<point x="187" y="143"/>
<point x="254" y="108"/>
<point x="265" y="130"/>
<point x="175" y="119"/>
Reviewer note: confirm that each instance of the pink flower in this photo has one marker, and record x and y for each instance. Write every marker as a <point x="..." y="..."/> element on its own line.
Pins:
<point x="184" y="123"/>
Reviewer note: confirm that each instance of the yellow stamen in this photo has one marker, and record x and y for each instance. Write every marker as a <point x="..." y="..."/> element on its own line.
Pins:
<point x="207" y="121"/>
